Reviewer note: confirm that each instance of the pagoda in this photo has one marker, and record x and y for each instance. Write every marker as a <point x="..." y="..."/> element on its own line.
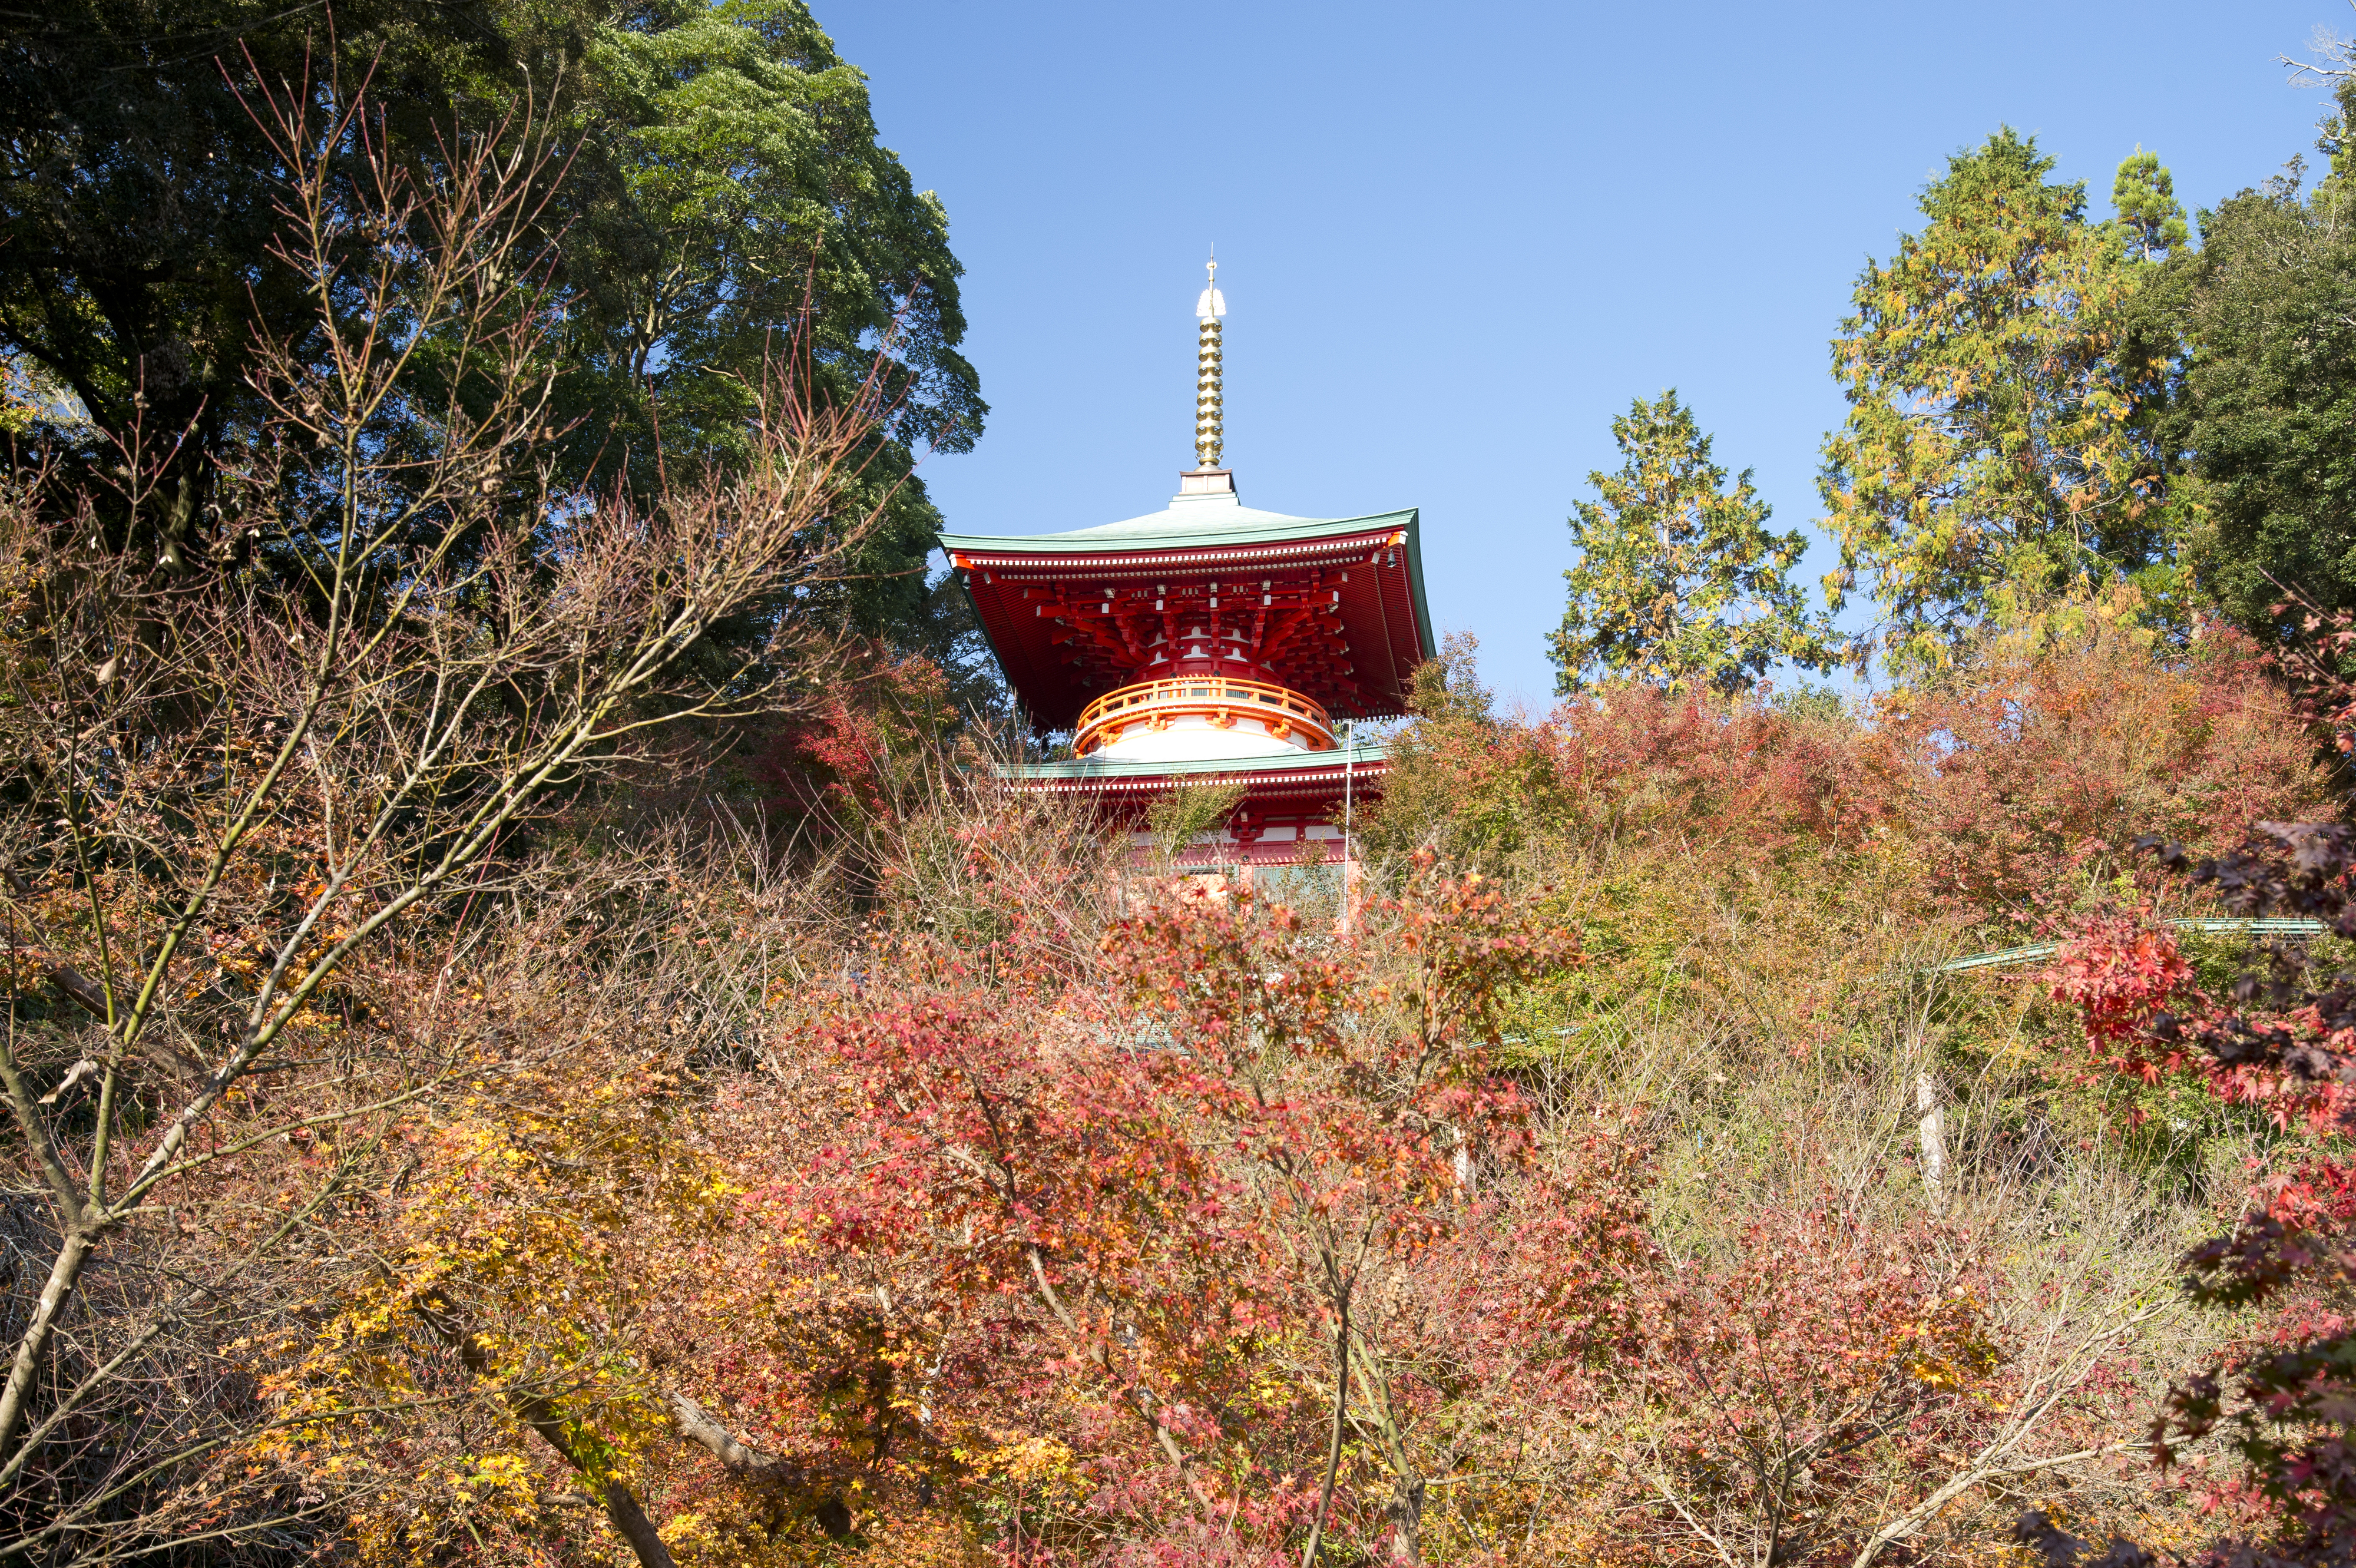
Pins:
<point x="1211" y="643"/>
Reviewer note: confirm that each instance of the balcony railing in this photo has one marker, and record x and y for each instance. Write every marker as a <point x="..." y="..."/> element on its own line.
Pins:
<point x="1217" y="699"/>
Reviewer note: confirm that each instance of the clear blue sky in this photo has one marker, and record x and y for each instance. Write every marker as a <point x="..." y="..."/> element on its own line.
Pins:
<point x="1455" y="241"/>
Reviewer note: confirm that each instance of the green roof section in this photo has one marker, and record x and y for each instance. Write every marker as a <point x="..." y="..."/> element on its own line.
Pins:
<point x="1365" y="756"/>
<point x="1197" y="525"/>
<point x="1188" y="525"/>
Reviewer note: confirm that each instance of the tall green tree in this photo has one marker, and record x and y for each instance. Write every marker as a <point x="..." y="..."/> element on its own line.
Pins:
<point x="1679" y="580"/>
<point x="732" y="177"/>
<point x="2150" y="220"/>
<point x="2269" y="399"/>
<point x="726" y="203"/>
<point x="2002" y="442"/>
<point x="137" y="200"/>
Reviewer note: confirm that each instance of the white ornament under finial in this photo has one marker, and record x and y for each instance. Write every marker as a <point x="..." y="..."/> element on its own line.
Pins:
<point x="1212" y="305"/>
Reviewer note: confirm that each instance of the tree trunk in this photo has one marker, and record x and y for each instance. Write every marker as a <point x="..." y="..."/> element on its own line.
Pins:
<point x="540" y="1413"/>
<point x="56" y="1293"/>
<point x="1406" y="1511"/>
<point x="1409" y="1490"/>
<point x="1934" y="1131"/>
<point x="1334" y="1446"/>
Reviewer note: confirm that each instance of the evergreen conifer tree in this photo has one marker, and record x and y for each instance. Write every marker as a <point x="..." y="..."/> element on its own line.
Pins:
<point x="2000" y="446"/>
<point x="1679" y="580"/>
<point x="2150" y="220"/>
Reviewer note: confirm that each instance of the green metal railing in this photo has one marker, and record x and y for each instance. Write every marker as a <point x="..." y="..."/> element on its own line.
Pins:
<point x="2256" y="928"/>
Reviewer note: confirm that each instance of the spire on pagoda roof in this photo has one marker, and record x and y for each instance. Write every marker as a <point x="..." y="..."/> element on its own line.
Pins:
<point x="1330" y="610"/>
<point x="1207" y="482"/>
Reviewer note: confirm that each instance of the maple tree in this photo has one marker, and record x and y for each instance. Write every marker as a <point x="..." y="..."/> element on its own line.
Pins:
<point x="1836" y="1383"/>
<point x="2278" y="1044"/>
<point x="1997" y="794"/>
<point x="1232" y="1168"/>
<point x="224" y="808"/>
<point x="1099" y="1233"/>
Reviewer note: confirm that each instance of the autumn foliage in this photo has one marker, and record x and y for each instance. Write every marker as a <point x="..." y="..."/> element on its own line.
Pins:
<point x="903" y="1191"/>
<point x="499" y="1071"/>
<point x="2006" y="791"/>
<point x="852" y="1156"/>
<point x="2278" y="1399"/>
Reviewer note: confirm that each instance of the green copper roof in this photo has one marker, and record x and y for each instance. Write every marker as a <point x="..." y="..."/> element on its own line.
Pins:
<point x="1224" y="535"/>
<point x="1184" y="525"/>
<point x="1364" y="756"/>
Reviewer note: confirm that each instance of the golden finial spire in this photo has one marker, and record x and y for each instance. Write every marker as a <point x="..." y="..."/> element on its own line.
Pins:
<point x="1209" y="429"/>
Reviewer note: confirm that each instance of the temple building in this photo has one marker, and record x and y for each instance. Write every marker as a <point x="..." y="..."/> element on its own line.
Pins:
<point x="1211" y="643"/>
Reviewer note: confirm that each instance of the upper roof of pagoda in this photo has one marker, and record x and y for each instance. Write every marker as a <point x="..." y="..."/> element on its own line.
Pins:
<point x="1337" y="601"/>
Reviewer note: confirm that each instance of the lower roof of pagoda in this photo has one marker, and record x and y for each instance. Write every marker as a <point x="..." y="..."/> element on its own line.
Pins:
<point x="1312" y="780"/>
<point x="1331" y="607"/>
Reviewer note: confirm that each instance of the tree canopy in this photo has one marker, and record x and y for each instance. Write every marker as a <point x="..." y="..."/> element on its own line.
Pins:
<point x="2270" y="393"/>
<point x="1999" y="441"/>
<point x="729" y="177"/>
<point x="1679" y="580"/>
<point x="139" y="198"/>
<point x="723" y="179"/>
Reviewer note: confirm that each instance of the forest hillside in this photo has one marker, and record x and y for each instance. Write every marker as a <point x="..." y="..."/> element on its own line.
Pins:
<point x="538" y="1031"/>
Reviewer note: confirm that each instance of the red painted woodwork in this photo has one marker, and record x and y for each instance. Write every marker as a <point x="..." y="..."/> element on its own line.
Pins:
<point x="1332" y="618"/>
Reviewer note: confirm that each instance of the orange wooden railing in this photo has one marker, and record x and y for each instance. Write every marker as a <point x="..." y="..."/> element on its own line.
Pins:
<point x="1211" y="694"/>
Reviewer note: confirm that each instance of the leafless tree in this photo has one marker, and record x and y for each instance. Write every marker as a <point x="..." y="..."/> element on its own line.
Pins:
<point x="235" y="782"/>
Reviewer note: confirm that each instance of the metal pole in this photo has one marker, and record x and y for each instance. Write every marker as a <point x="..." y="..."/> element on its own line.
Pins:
<point x="1349" y="846"/>
<point x="1349" y="749"/>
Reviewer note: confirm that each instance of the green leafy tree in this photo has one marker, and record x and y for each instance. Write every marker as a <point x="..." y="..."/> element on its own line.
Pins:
<point x="2150" y="220"/>
<point x="732" y="177"/>
<point x="1679" y="580"/>
<point x="2001" y="444"/>
<point x="725" y="197"/>
<point x="2270" y="395"/>
<point x="137" y="201"/>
